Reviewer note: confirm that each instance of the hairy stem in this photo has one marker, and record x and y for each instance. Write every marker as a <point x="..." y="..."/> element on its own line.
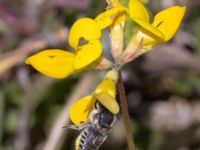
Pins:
<point x="125" y="113"/>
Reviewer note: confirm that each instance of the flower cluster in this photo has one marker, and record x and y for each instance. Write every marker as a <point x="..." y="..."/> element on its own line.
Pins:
<point x="84" y="38"/>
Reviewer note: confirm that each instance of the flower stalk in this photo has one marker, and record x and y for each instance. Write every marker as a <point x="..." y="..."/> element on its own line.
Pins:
<point x="125" y="113"/>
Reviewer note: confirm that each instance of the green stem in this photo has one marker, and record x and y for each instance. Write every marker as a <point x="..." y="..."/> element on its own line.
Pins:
<point x="125" y="113"/>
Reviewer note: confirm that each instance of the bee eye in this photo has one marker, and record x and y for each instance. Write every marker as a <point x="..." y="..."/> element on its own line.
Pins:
<point x="106" y="119"/>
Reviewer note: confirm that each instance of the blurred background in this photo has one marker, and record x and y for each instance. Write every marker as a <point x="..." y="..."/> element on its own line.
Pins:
<point x="163" y="86"/>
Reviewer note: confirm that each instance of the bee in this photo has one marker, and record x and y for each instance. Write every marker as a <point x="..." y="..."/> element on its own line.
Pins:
<point x="96" y="130"/>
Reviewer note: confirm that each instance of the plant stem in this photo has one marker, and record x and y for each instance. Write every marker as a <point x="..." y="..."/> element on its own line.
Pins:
<point x="125" y="113"/>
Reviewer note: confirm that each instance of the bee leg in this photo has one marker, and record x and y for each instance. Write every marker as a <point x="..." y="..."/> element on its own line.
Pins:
<point x="80" y="127"/>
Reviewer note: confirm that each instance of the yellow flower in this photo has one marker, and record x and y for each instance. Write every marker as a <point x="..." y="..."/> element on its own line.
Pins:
<point x="84" y="37"/>
<point x="162" y="29"/>
<point x="59" y="63"/>
<point x="105" y="94"/>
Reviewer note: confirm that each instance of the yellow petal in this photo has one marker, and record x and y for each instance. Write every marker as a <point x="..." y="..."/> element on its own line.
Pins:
<point x="137" y="10"/>
<point x="112" y="75"/>
<point x="87" y="54"/>
<point x="106" y="86"/>
<point x="108" y="102"/>
<point x="79" y="111"/>
<point x="153" y="31"/>
<point x="85" y="28"/>
<point x="105" y="93"/>
<point x="53" y="63"/>
<point x="140" y="15"/>
<point x="168" y="21"/>
<point x="106" y="18"/>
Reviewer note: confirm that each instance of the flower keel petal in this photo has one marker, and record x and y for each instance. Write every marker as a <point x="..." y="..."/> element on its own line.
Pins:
<point x="105" y="93"/>
<point x="150" y="28"/>
<point x="108" y="102"/>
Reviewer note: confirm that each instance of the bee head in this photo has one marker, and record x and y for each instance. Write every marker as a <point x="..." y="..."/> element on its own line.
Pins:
<point x="106" y="118"/>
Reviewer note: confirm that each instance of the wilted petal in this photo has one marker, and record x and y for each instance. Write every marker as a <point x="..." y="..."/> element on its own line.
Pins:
<point x="103" y="63"/>
<point x="114" y="3"/>
<point x="53" y="63"/>
<point x="148" y="39"/>
<point x="108" y="17"/>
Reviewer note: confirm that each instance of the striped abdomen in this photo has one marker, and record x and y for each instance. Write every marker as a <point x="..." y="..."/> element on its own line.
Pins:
<point x="90" y="139"/>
